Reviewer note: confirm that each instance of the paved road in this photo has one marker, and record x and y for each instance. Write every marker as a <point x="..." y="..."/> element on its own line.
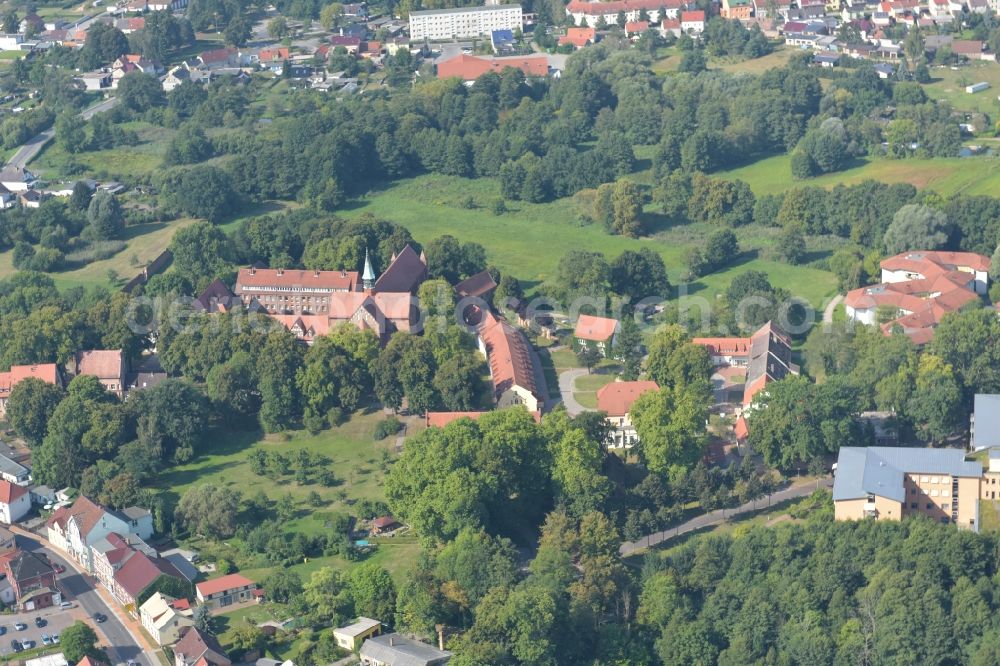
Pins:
<point x="121" y="645"/>
<point x="720" y="516"/>
<point x="567" y="382"/>
<point x="28" y="151"/>
<point x="830" y="307"/>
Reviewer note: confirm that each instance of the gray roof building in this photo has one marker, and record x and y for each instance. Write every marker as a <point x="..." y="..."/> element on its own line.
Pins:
<point x="879" y="470"/>
<point x="986" y="421"/>
<point x="397" y="650"/>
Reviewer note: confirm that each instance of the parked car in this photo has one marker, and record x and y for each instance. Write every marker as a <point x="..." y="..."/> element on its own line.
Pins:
<point x="66" y="604"/>
<point x="100" y="617"/>
<point x="3" y="630"/>
<point x="59" y="568"/>
<point x="55" y="638"/>
<point x="27" y="645"/>
<point x="40" y="621"/>
<point x="20" y="626"/>
<point x="15" y="645"/>
<point x="46" y="640"/>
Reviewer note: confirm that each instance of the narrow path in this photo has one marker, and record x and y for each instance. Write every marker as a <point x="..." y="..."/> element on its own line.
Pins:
<point x="722" y="515"/>
<point x="34" y="145"/>
<point x="567" y="382"/>
<point x="830" y="307"/>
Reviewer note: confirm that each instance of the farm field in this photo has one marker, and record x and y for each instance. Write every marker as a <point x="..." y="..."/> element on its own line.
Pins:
<point x="529" y="240"/>
<point x="946" y="176"/>
<point x="358" y="461"/>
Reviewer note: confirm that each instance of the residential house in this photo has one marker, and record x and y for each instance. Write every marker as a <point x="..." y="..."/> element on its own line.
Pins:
<point x="216" y="297"/>
<point x="384" y="525"/>
<point x="736" y="9"/>
<point x="32" y="578"/>
<point x="218" y="58"/>
<point x="693" y="22"/>
<point x="766" y="355"/>
<point x="32" y="198"/>
<point x="46" y="372"/>
<point x="967" y="48"/>
<point x="598" y="332"/>
<point x="918" y="289"/>
<point x="985" y="421"/>
<point x="136" y="575"/>
<point x="7" y="198"/>
<point x="616" y="400"/>
<point x="225" y="591"/>
<point x="15" y="502"/>
<point x="176" y="77"/>
<point x="890" y="483"/>
<point x="512" y="370"/>
<point x="635" y="28"/>
<point x="463" y="22"/>
<point x="578" y="37"/>
<point x="162" y="621"/>
<point x="112" y="552"/>
<point x="195" y="648"/>
<point x="16" y="179"/>
<point x="353" y="635"/>
<point x="108" y="365"/>
<point x="273" y="55"/>
<point x="76" y="528"/>
<point x="502" y="41"/>
<point x="10" y="541"/>
<point x="470" y="67"/>
<point x="347" y="42"/>
<point x="670" y="26"/>
<point x="397" y="650"/>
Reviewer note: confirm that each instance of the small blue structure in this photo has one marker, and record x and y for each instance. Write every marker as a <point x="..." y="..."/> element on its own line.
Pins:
<point x="502" y="41"/>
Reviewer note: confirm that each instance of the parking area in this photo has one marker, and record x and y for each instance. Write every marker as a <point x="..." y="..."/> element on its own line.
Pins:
<point x="52" y="620"/>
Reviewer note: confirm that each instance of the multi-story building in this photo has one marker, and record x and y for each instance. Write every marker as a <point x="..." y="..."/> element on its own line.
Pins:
<point x="281" y="291"/>
<point x="75" y="529"/>
<point x="767" y="356"/>
<point x="615" y="400"/>
<point x="590" y="12"/>
<point x="108" y="365"/>
<point x="225" y="591"/>
<point x="736" y="9"/>
<point x="46" y="372"/>
<point x="917" y="289"/>
<point x="162" y="620"/>
<point x="464" y="22"/>
<point x="891" y="483"/>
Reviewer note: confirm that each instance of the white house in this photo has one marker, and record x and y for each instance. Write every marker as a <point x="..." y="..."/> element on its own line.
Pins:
<point x="615" y="400"/>
<point x="15" y="502"/>
<point x="163" y="622"/>
<point x="16" y="179"/>
<point x="76" y="528"/>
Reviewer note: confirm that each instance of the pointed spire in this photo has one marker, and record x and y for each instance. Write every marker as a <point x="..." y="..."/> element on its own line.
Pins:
<point x="368" y="277"/>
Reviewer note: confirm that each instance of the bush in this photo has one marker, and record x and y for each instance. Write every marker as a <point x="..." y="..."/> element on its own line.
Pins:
<point x="387" y="426"/>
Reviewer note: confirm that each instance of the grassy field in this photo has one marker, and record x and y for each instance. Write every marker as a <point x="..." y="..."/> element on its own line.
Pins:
<point x="117" y="163"/>
<point x="358" y="461"/>
<point x="588" y="385"/>
<point x="777" y="58"/>
<point x="142" y="244"/>
<point x="949" y="85"/>
<point x="529" y="240"/>
<point x="947" y="176"/>
<point x="989" y="516"/>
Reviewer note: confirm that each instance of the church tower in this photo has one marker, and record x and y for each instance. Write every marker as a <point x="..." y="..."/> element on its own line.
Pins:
<point x="368" y="277"/>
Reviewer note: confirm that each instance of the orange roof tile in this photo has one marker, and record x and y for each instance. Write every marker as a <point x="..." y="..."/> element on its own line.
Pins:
<point x="469" y="67"/>
<point x="616" y="398"/>
<point x="223" y="583"/>
<point x="11" y="492"/>
<point x="508" y="354"/>
<point x="598" y="329"/>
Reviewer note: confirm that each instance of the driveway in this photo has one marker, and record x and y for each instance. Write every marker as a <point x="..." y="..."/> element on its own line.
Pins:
<point x="721" y="515"/>
<point x="79" y="589"/>
<point x="830" y="307"/>
<point x="567" y="382"/>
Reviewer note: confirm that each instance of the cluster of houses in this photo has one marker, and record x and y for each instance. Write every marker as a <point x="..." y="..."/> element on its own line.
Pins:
<point x="20" y="187"/>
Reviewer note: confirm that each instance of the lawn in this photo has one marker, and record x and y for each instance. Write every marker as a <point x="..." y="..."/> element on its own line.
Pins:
<point x="777" y="58"/>
<point x="946" y="176"/>
<point x="989" y="516"/>
<point x="358" y="461"/>
<point x="529" y="240"/>
<point x="949" y="85"/>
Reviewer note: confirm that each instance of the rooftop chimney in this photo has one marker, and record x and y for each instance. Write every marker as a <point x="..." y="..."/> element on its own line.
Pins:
<point x="252" y="270"/>
<point x="281" y="271"/>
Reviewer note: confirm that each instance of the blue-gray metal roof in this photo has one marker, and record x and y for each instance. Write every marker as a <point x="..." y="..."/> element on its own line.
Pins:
<point x="879" y="470"/>
<point x="986" y="430"/>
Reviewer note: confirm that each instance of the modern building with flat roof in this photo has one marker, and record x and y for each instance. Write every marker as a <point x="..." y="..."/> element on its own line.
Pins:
<point x="985" y="426"/>
<point x="464" y="22"/>
<point x="890" y="483"/>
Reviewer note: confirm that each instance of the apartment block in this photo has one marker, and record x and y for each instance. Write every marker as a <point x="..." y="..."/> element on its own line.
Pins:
<point x="464" y="22"/>
<point x="891" y="483"/>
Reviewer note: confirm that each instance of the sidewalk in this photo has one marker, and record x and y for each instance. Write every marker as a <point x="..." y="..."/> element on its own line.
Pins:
<point x="131" y="625"/>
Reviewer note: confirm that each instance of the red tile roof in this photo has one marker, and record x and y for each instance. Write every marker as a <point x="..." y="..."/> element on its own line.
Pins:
<point x="616" y="398"/>
<point x="579" y="37"/>
<point x="274" y="54"/>
<point x="740" y="429"/>
<point x="86" y="513"/>
<point x="216" y="585"/>
<point x="724" y="346"/>
<point x="277" y="277"/>
<point x="508" y="354"/>
<point x="598" y="329"/>
<point x="693" y="17"/>
<point x="469" y="67"/>
<point x="384" y="521"/>
<point x="11" y="492"/>
<point x="195" y="647"/>
<point x="140" y="571"/>
<point x="441" y="419"/>
<point x="636" y="27"/>
<point x="100" y="363"/>
<point x="967" y="46"/>
<point x="479" y="285"/>
<point x="47" y="372"/>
